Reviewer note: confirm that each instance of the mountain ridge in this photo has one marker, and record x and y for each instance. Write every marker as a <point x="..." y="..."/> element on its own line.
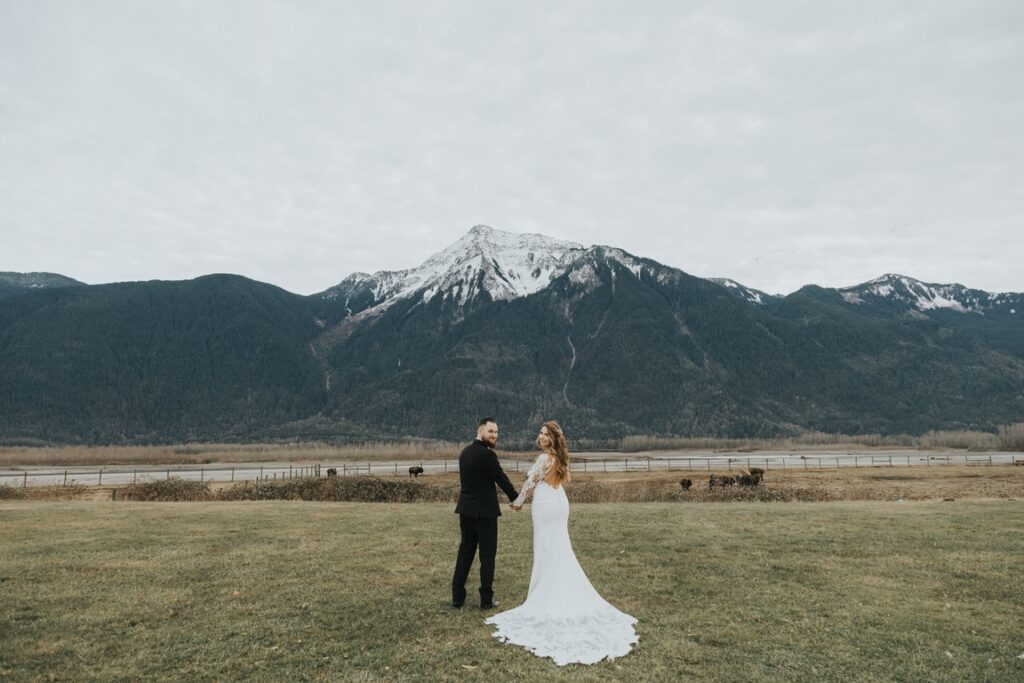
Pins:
<point x="527" y="328"/>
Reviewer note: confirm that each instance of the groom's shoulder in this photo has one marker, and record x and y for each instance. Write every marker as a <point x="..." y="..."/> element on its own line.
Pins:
<point x="477" y="448"/>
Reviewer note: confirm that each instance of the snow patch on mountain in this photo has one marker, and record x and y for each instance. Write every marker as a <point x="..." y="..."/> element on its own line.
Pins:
<point x="754" y="296"/>
<point x="924" y="296"/>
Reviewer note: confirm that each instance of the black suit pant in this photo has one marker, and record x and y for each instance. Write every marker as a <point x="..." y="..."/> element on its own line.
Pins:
<point x="477" y="532"/>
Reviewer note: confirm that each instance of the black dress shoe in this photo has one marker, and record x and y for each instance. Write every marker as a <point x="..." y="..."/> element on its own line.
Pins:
<point x="490" y="605"/>
<point x="457" y="605"/>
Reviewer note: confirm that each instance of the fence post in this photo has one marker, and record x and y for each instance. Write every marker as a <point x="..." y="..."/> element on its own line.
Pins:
<point x="201" y="473"/>
<point x="584" y="466"/>
<point x="25" y="481"/>
<point x="65" y="479"/>
<point x="100" y="483"/>
<point x="289" y="471"/>
<point x="648" y="464"/>
<point x="232" y="474"/>
<point x="135" y="476"/>
<point x="890" y="461"/>
<point x="168" y="472"/>
<point x="446" y="466"/>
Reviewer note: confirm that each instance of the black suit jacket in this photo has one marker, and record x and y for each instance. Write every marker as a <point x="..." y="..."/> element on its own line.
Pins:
<point x="479" y="471"/>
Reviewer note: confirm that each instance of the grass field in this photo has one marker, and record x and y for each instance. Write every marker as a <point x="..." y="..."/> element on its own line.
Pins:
<point x="297" y="591"/>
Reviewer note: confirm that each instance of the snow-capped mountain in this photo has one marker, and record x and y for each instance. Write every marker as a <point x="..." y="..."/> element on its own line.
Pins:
<point x="501" y="266"/>
<point x="893" y="288"/>
<point x="504" y="265"/>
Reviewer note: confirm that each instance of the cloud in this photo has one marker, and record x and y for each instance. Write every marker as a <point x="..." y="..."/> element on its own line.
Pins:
<point x="298" y="142"/>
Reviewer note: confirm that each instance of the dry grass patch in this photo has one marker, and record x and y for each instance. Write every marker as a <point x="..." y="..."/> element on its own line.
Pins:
<point x="226" y="453"/>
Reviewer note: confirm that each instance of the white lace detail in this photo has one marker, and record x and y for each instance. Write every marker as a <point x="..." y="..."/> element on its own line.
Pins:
<point x="538" y="470"/>
<point x="563" y="617"/>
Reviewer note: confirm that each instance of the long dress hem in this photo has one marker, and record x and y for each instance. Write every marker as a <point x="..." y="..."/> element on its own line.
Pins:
<point x="563" y="617"/>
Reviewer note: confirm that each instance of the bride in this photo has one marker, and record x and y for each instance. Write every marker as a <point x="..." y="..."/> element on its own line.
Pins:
<point x="563" y="617"/>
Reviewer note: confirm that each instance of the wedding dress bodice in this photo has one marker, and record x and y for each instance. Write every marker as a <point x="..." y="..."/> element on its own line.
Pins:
<point x="535" y="475"/>
<point x="563" y="617"/>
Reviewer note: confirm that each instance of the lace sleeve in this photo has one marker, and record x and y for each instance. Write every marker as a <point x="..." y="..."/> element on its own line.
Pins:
<point x="534" y="476"/>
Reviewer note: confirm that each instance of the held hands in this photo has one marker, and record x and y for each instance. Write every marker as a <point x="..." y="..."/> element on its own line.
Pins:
<point x="515" y="507"/>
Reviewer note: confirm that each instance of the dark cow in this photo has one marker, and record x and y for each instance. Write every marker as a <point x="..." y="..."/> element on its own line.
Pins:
<point x="720" y="480"/>
<point x="756" y="470"/>
<point x="749" y="479"/>
<point x="332" y="472"/>
<point x="686" y="484"/>
<point x="415" y="471"/>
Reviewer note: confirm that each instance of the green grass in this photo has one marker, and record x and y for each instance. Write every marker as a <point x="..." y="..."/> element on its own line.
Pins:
<point x="268" y="591"/>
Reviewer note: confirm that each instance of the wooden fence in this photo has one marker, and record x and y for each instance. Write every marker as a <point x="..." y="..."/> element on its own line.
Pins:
<point x="121" y="476"/>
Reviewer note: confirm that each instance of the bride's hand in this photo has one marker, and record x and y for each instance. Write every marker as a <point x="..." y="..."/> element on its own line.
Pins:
<point x="517" y="508"/>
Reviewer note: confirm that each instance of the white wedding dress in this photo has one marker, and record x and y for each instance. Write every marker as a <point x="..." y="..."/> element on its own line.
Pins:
<point x="563" y="617"/>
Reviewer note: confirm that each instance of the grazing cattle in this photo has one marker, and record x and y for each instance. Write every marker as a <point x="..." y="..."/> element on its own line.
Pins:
<point x="686" y="484"/>
<point x="756" y="470"/>
<point x="415" y="471"/>
<point x="720" y="480"/>
<point x="748" y="479"/>
<point x="332" y="472"/>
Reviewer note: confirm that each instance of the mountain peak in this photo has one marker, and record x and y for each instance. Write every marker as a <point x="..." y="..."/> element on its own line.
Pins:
<point x="505" y="265"/>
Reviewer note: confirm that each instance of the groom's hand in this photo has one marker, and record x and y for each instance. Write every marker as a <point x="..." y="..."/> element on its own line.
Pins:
<point x="517" y="508"/>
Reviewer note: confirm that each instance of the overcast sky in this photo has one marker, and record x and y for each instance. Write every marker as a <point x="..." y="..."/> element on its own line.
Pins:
<point x="295" y="142"/>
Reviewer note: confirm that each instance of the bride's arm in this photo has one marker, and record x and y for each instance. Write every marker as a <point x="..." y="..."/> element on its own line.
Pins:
<point x="533" y="477"/>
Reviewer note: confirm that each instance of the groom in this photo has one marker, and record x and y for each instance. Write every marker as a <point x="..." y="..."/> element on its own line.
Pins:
<point x="478" y="511"/>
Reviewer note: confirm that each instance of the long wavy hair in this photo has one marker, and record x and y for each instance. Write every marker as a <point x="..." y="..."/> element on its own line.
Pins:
<point x="557" y="449"/>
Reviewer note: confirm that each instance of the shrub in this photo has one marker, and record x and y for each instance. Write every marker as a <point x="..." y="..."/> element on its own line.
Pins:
<point x="354" y="489"/>
<point x="173" y="489"/>
<point x="10" y="492"/>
